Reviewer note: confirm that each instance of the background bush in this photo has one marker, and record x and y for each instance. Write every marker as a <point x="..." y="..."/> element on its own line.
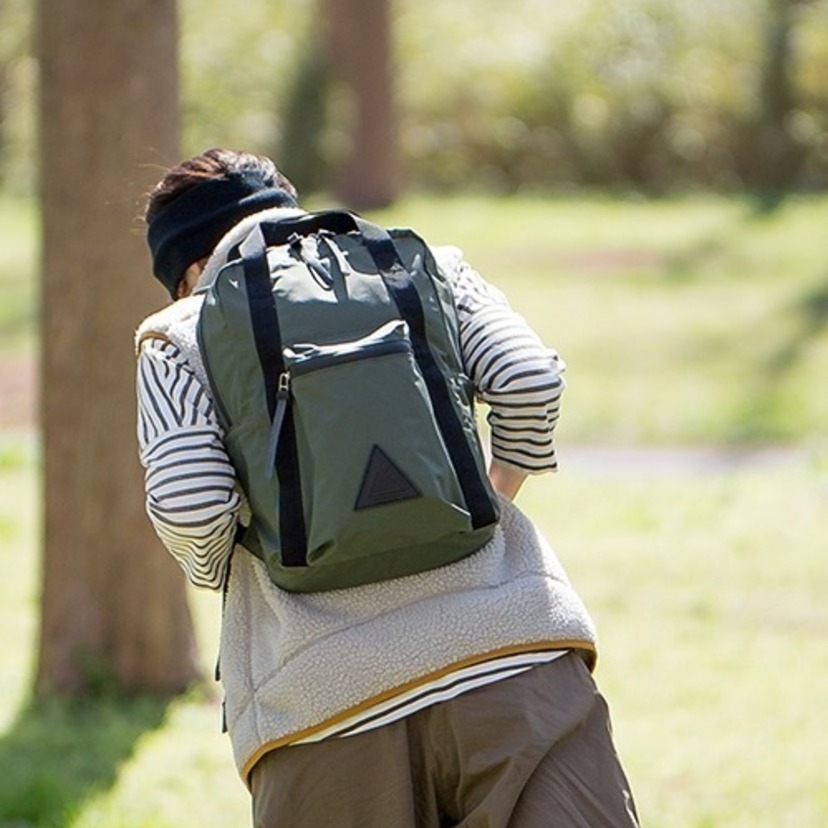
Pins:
<point x="646" y="94"/>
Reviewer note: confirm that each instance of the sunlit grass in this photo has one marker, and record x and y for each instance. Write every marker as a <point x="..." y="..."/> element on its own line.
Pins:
<point x="695" y="320"/>
<point x="19" y="538"/>
<point x="708" y="593"/>
<point x="685" y="322"/>
<point x="107" y="763"/>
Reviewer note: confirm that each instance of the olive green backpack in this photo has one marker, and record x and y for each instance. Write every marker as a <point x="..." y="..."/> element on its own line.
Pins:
<point x="332" y="350"/>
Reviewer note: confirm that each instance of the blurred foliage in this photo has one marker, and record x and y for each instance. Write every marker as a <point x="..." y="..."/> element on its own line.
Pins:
<point x="646" y="94"/>
<point x="651" y="94"/>
<point x="18" y="76"/>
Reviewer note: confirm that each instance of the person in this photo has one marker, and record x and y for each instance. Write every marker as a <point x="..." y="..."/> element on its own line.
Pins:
<point x="461" y="696"/>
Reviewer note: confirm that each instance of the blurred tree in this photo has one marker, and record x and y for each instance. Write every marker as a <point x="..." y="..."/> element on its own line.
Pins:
<point x="114" y="612"/>
<point x="4" y="71"/>
<point x="301" y="151"/>
<point x="775" y="156"/>
<point x="17" y="79"/>
<point x="11" y="44"/>
<point x="648" y="93"/>
<point x="360" y="49"/>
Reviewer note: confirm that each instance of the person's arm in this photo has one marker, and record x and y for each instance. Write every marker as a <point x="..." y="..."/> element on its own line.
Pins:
<point x="191" y="497"/>
<point x="506" y="479"/>
<point x="514" y="373"/>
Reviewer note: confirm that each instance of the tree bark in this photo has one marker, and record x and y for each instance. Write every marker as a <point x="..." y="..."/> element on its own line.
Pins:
<point x="114" y="611"/>
<point x="361" y="55"/>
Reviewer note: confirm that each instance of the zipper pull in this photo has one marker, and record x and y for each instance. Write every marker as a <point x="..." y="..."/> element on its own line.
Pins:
<point x="282" y="399"/>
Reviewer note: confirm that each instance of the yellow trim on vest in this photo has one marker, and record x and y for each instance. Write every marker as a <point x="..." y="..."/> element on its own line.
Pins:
<point x="586" y="648"/>
<point x="151" y="335"/>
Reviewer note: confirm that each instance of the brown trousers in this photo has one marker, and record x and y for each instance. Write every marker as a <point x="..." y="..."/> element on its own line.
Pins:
<point x="531" y="751"/>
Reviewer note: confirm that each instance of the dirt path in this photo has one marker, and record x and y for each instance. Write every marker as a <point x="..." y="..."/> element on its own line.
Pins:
<point x="683" y="462"/>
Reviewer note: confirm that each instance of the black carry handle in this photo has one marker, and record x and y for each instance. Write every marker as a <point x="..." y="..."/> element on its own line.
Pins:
<point x="280" y="231"/>
<point x="378" y="241"/>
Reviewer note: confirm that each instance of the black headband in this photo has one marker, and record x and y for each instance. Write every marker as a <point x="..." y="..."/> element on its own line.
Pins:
<point x="191" y="226"/>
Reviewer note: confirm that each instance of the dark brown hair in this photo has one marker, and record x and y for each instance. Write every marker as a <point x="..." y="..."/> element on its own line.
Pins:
<point x="214" y="163"/>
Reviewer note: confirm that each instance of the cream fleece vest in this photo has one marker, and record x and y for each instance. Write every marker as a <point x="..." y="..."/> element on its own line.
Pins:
<point x="293" y="664"/>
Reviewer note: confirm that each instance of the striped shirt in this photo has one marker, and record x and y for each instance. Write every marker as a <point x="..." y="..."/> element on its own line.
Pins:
<point x="439" y="690"/>
<point x="192" y="496"/>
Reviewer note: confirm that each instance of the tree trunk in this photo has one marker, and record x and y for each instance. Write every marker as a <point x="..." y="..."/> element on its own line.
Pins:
<point x="114" y="610"/>
<point x="777" y="156"/>
<point x="360" y="43"/>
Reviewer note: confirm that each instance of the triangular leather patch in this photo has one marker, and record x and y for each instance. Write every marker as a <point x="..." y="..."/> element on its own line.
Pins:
<point x="383" y="482"/>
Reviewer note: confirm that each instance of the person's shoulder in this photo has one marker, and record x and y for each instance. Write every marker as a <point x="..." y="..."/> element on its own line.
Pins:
<point x="449" y="258"/>
<point x="471" y="290"/>
<point x="161" y="325"/>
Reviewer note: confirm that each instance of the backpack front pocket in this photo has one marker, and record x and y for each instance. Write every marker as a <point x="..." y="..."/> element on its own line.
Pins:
<point x="375" y="472"/>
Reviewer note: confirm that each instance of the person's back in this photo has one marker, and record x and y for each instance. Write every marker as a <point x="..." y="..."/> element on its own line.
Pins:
<point x="460" y="695"/>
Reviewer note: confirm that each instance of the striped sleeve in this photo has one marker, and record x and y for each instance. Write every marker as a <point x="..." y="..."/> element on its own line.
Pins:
<point x="514" y="373"/>
<point x="191" y="497"/>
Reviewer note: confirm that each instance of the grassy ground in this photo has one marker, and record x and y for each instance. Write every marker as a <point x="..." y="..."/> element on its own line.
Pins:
<point x="695" y="322"/>
<point x="709" y="596"/>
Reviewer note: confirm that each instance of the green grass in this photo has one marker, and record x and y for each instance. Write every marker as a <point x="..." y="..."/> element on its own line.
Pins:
<point x="111" y="763"/>
<point x="698" y="320"/>
<point x="709" y="596"/>
<point x="688" y="322"/>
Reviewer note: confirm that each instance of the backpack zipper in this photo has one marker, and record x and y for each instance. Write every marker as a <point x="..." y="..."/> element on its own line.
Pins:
<point x="282" y="399"/>
<point x="374" y="349"/>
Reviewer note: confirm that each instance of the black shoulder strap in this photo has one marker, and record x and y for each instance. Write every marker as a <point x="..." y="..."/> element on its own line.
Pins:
<point x="268" y="339"/>
<point x="400" y="285"/>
